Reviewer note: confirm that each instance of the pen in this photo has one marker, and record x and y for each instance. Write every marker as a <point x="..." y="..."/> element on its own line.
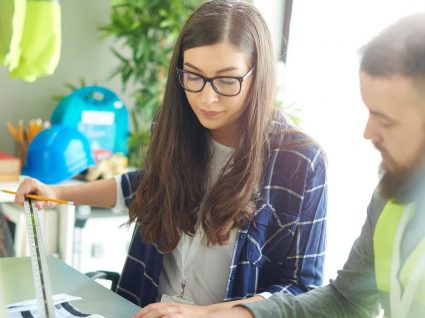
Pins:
<point x="39" y="198"/>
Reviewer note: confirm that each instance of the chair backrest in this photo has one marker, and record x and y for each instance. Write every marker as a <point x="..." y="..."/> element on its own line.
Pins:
<point x="12" y="233"/>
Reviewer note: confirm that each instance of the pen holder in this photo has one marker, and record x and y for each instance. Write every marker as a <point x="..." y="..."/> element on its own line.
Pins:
<point x="23" y="148"/>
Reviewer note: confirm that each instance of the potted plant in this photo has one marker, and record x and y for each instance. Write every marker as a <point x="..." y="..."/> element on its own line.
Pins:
<point x="148" y="30"/>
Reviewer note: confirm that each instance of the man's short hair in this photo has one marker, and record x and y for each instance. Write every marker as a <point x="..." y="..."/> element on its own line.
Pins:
<point x="397" y="50"/>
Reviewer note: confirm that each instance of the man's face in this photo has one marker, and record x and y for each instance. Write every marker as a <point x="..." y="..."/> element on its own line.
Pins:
<point x="396" y="123"/>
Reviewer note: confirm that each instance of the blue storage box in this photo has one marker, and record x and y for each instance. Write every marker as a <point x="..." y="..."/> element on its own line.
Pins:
<point x="100" y="115"/>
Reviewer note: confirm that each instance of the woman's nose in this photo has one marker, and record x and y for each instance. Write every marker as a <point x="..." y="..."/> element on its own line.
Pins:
<point x="208" y="94"/>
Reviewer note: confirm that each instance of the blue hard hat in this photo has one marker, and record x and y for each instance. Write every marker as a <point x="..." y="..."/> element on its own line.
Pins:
<point x="57" y="154"/>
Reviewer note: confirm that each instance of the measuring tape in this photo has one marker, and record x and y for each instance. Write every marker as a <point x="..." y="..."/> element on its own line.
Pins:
<point x="40" y="271"/>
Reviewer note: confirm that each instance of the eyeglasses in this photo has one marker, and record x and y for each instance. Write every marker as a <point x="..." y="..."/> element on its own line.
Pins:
<point x="223" y="85"/>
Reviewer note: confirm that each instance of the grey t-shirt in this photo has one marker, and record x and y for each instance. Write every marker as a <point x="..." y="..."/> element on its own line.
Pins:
<point x="207" y="271"/>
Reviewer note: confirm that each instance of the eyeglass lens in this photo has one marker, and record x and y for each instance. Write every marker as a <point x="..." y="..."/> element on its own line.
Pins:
<point x="223" y="85"/>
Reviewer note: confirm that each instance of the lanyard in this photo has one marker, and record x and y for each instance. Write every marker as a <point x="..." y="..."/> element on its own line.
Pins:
<point x="188" y="248"/>
<point x="400" y="304"/>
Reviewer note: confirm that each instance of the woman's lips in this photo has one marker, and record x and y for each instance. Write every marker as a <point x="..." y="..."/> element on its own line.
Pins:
<point x="209" y="114"/>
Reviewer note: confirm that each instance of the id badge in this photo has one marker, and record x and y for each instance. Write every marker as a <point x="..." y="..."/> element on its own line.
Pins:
<point x="176" y="299"/>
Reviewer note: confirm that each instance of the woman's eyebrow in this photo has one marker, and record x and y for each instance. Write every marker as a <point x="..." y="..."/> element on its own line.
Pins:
<point x="226" y="69"/>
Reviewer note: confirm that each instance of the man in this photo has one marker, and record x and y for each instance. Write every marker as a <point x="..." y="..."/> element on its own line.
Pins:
<point x="386" y="265"/>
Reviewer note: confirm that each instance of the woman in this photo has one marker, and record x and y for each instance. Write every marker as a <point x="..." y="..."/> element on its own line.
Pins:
<point x="231" y="204"/>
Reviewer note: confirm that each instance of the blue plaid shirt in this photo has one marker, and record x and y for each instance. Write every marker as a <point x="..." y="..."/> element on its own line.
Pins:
<point x="280" y="250"/>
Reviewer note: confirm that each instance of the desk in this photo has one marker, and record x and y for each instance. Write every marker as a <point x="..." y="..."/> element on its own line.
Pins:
<point x="17" y="285"/>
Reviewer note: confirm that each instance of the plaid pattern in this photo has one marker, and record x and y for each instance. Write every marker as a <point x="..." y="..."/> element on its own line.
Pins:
<point x="280" y="250"/>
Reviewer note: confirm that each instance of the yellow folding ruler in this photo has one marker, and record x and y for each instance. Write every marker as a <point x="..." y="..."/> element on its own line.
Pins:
<point x="40" y="270"/>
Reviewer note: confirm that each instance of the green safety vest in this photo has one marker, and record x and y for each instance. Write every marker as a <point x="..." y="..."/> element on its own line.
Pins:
<point x="30" y="37"/>
<point x="402" y="283"/>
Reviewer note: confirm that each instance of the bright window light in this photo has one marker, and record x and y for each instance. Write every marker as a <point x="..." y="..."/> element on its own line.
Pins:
<point x="322" y="80"/>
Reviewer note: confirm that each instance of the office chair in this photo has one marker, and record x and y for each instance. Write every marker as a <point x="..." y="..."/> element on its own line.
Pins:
<point x="114" y="277"/>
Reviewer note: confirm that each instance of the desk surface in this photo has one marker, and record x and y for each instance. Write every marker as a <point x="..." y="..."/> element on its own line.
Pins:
<point x="17" y="285"/>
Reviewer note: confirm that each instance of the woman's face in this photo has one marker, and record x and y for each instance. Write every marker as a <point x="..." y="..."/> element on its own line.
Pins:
<point x="217" y="113"/>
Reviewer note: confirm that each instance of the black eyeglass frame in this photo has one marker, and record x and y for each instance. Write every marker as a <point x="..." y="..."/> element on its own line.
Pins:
<point x="206" y="80"/>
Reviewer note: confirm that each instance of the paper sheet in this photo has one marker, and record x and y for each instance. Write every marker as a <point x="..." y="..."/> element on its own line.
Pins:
<point x="63" y="309"/>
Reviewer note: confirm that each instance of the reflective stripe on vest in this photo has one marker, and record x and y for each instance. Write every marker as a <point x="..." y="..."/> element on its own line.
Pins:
<point x="389" y="272"/>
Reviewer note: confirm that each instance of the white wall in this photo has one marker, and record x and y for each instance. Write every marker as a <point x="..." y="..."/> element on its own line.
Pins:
<point x="83" y="55"/>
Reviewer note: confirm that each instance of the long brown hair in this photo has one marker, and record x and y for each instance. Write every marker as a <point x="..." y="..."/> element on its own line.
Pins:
<point x="176" y="166"/>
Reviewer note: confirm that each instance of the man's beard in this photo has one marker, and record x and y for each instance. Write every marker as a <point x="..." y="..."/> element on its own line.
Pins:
<point x="392" y="183"/>
<point x="400" y="183"/>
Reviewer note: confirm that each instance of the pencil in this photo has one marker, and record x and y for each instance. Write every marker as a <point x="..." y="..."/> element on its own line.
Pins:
<point x="39" y="198"/>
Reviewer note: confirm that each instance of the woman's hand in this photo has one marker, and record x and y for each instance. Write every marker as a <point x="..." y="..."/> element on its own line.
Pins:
<point x="33" y="186"/>
<point x="171" y="310"/>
